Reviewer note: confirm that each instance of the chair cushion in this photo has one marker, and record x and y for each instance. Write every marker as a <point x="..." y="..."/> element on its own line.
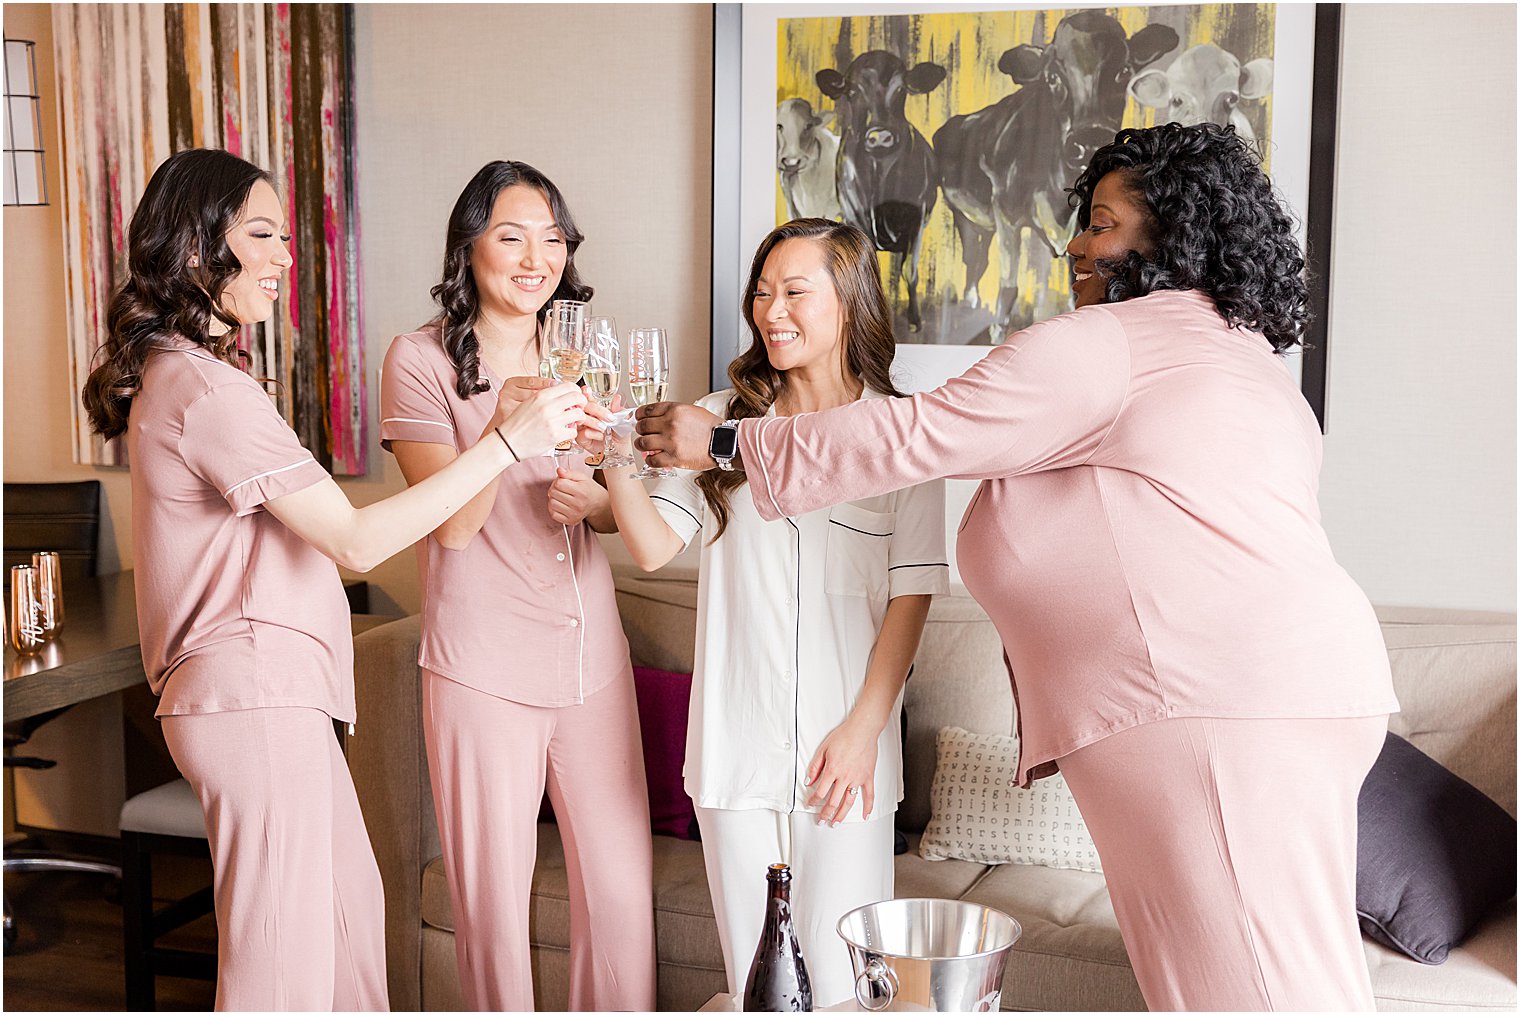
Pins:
<point x="1434" y="855"/>
<point x="170" y="809"/>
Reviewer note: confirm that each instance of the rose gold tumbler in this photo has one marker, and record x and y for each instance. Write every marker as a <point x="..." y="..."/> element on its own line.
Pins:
<point x="25" y="610"/>
<point x="49" y="591"/>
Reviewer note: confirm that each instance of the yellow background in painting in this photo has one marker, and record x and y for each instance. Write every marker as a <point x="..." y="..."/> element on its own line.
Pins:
<point x="969" y="45"/>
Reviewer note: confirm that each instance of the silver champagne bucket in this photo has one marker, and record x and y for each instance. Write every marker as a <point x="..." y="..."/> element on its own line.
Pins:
<point x="928" y="954"/>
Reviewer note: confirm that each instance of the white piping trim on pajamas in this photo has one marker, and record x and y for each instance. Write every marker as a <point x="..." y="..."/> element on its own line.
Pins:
<point x="404" y="419"/>
<point x="265" y="475"/>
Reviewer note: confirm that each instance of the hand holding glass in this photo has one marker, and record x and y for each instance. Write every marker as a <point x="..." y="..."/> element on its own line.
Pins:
<point x="568" y="336"/>
<point x="603" y="375"/>
<point x="648" y="375"/>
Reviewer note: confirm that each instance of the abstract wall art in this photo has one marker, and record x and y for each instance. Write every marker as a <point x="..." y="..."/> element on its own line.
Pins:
<point x="272" y="83"/>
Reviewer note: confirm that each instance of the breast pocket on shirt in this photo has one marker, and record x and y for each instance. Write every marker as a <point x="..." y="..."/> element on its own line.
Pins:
<point x="855" y="562"/>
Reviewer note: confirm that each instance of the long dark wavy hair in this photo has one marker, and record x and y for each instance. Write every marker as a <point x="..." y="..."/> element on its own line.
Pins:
<point x="868" y="341"/>
<point x="457" y="295"/>
<point x="1216" y="226"/>
<point x="193" y="200"/>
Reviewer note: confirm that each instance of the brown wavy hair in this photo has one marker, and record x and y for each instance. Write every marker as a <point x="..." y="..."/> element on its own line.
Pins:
<point x="869" y="343"/>
<point x="193" y="200"/>
<point x="456" y="293"/>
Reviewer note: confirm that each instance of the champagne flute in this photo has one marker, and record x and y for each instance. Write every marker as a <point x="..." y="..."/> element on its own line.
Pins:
<point x="567" y="350"/>
<point x="648" y="374"/>
<point x="603" y="374"/>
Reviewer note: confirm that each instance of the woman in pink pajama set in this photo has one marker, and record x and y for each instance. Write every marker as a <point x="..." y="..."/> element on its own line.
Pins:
<point x="526" y="678"/>
<point x="244" y="624"/>
<point x="1146" y="539"/>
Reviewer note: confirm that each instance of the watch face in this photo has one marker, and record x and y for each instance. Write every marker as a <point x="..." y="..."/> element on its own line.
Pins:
<point x="724" y="442"/>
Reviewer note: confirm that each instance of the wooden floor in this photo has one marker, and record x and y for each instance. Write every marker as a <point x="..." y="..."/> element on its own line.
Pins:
<point x="67" y="955"/>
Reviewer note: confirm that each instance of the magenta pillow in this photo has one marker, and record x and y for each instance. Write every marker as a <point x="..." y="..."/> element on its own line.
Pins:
<point x="663" y="700"/>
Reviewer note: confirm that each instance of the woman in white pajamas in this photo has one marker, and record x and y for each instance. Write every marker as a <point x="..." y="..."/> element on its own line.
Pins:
<point x="806" y="627"/>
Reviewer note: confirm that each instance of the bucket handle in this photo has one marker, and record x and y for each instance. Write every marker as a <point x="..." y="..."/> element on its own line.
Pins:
<point x="877" y="975"/>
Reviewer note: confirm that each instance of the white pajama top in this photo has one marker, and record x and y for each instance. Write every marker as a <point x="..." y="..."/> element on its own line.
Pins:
<point x="788" y="612"/>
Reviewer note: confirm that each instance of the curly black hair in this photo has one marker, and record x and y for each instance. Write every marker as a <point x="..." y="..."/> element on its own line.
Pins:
<point x="1216" y="226"/>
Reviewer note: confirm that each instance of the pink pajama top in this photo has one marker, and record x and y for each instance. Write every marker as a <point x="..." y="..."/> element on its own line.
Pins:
<point x="1146" y="537"/>
<point x="526" y="611"/>
<point x="234" y="610"/>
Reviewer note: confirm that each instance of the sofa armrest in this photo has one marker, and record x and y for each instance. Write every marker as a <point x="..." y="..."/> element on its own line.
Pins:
<point x="388" y="762"/>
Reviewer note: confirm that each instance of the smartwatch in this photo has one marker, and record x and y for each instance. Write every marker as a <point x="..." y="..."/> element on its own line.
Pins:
<point x="724" y="444"/>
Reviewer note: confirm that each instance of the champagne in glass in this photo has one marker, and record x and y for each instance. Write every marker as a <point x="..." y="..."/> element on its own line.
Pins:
<point x="602" y="383"/>
<point x="647" y="392"/>
<point x="648" y="375"/>
<point x="567" y="349"/>
<point x="602" y="375"/>
<point x="567" y="364"/>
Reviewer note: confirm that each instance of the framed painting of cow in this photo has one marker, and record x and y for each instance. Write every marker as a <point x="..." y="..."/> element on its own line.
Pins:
<point x="950" y="137"/>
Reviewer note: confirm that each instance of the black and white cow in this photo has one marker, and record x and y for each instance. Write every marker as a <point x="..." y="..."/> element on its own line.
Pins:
<point x="1005" y="168"/>
<point x="806" y="154"/>
<point x="885" y="175"/>
<point x="1205" y="83"/>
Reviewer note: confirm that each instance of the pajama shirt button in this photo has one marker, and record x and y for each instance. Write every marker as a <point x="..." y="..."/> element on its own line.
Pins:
<point x="574" y="622"/>
<point x="559" y="556"/>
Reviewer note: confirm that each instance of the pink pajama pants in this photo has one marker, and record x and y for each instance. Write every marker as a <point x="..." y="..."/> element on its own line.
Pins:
<point x="1229" y="846"/>
<point x="300" y="913"/>
<point x="489" y="760"/>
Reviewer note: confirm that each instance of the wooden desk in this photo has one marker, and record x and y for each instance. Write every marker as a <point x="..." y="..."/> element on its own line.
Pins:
<point x="97" y="652"/>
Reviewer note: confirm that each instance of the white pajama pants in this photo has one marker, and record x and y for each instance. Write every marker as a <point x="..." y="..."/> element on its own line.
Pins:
<point x="834" y="870"/>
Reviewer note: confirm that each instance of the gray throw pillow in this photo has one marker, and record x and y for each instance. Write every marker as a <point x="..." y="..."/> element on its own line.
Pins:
<point x="1434" y="855"/>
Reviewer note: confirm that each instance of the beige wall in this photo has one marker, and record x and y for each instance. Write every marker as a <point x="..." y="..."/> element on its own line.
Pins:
<point x="1418" y="488"/>
<point x="613" y="102"/>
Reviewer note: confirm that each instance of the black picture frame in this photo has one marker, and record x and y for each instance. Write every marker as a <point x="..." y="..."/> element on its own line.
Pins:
<point x="728" y="269"/>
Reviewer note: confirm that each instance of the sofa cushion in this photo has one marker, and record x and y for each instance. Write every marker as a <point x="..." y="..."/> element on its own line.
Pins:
<point x="684" y="923"/>
<point x="959" y="679"/>
<point x="1434" y="856"/>
<point x="1456" y="689"/>
<point x="917" y="878"/>
<point x="981" y="814"/>
<point x="1477" y="976"/>
<point x="1070" y="955"/>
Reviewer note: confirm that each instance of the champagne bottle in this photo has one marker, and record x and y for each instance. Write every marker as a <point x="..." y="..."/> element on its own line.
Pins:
<point x="778" y="978"/>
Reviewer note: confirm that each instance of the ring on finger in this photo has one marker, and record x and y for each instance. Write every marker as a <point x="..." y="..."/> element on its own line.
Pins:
<point x="852" y="790"/>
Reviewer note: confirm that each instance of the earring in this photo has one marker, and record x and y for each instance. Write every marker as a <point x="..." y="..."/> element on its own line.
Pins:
<point x="195" y="262"/>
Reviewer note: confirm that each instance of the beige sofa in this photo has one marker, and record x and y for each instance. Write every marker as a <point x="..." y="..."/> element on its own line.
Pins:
<point x="1455" y="677"/>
